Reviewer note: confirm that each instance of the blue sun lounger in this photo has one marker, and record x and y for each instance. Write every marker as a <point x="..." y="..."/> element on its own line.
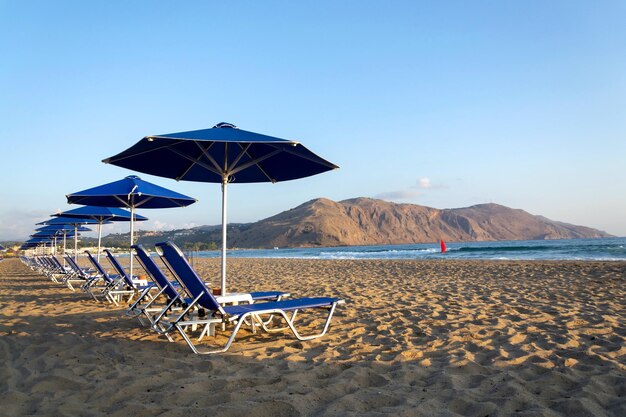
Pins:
<point x="52" y="268"/>
<point x="147" y="304"/>
<point x="113" y="289"/>
<point x="122" y="274"/>
<point x="236" y="314"/>
<point x="175" y="295"/>
<point x="78" y="274"/>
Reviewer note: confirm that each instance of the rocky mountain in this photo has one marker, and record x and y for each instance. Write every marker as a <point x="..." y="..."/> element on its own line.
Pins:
<point x="366" y="221"/>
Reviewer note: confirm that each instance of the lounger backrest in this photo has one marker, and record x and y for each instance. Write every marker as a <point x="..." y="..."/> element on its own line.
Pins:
<point x="48" y="262"/>
<point x="41" y="261"/>
<point x="75" y="266"/>
<point x="56" y="262"/>
<point x="155" y="272"/>
<point x="98" y="267"/>
<point x="174" y="258"/>
<point x="116" y="265"/>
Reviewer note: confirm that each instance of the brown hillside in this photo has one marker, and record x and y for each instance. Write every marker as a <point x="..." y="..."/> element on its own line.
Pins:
<point x="365" y="221"/>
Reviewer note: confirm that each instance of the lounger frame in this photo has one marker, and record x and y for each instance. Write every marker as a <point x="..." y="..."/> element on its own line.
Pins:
<point x="251" y="314"/>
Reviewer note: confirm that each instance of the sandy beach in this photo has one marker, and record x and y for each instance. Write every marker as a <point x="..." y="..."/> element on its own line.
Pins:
<point x="415" y="338"/>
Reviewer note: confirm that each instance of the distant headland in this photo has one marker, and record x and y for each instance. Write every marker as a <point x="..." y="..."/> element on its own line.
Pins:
<point x="367" y="221"/>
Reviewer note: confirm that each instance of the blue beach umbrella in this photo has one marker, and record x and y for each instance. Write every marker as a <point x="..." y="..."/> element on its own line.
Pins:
<point x="60" y="228"/>
<point x="131" y="192"/>
<point x="38" y="239"/>
<point x="66" y="220"/>
<point x="44" y="234"/>
<point x="35" y="242"/>
<point x="223" y="154"/>
<point x="26" y="245"/>
<point x="101" y="215"/>
<point x="57" y="230"/>
<point x="50" y="235"/>
<point x="75" y="223"/>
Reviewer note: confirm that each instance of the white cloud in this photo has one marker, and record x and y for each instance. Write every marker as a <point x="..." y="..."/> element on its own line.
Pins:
<point x="412" y="192"/>
<point x="18" y="225"/>
<point x="398" y="195"/>
<point x="425" y="183"/>
<point x="158" y="225"/>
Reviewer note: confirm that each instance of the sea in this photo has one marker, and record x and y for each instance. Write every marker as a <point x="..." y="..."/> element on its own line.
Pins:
<point x="605" y="249"/>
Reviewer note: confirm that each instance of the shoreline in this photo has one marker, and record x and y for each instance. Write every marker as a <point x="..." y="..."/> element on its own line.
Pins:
<point x="415" y="337"/>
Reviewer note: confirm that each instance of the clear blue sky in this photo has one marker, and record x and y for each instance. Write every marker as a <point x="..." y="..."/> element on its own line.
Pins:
<point x="440" y="103"/>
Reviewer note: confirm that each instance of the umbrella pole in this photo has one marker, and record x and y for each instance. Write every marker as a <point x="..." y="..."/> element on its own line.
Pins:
<point x="224" y="206"/>
<point x="64" y="246"/>
<point x="132" y="237"/>
<point x="75" y="243"/>
<point x="99" y="239"/>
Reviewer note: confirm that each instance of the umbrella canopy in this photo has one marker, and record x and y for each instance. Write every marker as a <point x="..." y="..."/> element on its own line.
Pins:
<point x="66" y="220"/>
<point x="131" y="192"/>
<point x="101" y="215"/>
<point x="39" y="240"/>
<point x="35" y="242"/>
<point x="28" y="245"/>
<point x="223" y="154"/>
<point x="75" y="223"/>
<point x="60" y="228"/>
<point x="51" y="235"/>
<point x="47" y="235"/>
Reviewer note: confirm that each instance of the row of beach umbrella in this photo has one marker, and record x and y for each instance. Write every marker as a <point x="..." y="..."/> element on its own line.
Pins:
<point x="223" y="154"/>
<point x="103" y="205"/>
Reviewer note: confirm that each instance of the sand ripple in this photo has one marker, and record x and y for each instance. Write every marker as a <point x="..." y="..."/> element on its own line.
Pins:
<point x="416" y="338"/>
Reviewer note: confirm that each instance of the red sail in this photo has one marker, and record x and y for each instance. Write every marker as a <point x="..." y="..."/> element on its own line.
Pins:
<point x="443" y="246"/>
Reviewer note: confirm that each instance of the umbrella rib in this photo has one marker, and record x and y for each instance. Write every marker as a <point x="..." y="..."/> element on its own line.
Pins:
<point x="115" y="159"/>
<point x="256" y="162"/>
<point x="194" y="161"/>
<point x="148" y="198"/>
<point x="202" y="164"/>
<point x="317" y="160"/>
<point x="225" y="172"/>
<point x="258" y="165"/>
<point x="121" y="200"/>
<point x="244" y="151"/>
<point x="205" y="152"/>
<point x="144" y="201"/>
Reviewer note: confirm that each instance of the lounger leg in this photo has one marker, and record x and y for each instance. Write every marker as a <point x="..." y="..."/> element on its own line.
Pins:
<point x="292" y="327"/>
<point x="133" y="306"/>
<point x="265" y="324"/>
<point x="134" y="310"/>
<point x="209" y="330"/>
<point x="193" y="347"/>
<point x="164" y="330"/>
<point x="314" y="336"/>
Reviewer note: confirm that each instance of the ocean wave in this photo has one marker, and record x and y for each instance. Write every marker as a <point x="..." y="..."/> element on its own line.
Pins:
<point x="610" y="249"/>
<point x="501" y="248"/>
